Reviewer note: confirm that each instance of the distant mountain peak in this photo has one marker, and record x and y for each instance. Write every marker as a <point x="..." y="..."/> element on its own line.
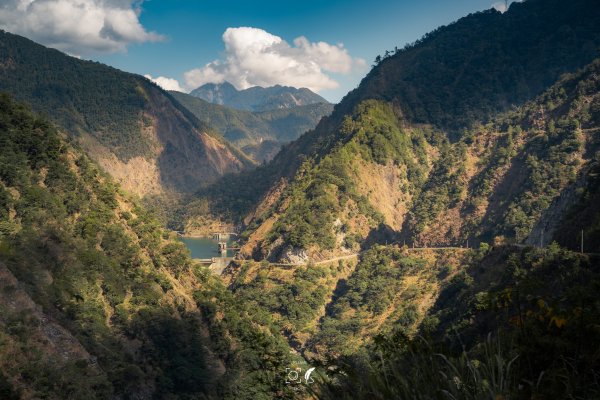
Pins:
<point x="223" y="85"/>
<point x="257" y="98"/>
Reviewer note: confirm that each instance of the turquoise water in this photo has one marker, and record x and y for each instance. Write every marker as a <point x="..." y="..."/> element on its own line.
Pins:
<point x="204" y="247"/>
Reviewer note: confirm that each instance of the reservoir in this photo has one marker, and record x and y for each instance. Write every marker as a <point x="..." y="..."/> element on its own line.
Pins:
<point x="205" y="247"/>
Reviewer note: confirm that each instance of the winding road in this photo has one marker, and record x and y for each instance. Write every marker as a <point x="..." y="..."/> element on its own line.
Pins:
<point x="355" y="255"/>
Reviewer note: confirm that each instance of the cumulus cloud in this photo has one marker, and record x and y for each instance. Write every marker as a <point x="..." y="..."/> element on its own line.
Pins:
<point x="77" y="27"/>
<point x="254" y="57"/>
<point x="166" y="83"/>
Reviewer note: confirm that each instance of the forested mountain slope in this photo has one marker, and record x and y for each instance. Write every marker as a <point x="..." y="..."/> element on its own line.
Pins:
<point x="258" y="134"/>
<point x="519" y="305"/>
<point x="97" y="301"/>
<point x="508" y="323"/>
<point x="458" y="76"/>
<point x="513" y="179"/>
<point x="131" y="127"/>
<point x="486" y="62"/>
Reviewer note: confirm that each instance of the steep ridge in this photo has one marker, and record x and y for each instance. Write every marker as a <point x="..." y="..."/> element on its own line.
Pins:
<point x="258" y="134"/>
<point x="457" y="76"/>
<point x="486" y="62"/>
<point x="477" y="67"/>
<point x="132" y="128"/>
<point x="256" y="98"/>
<point x="390" y="180"/>
<point x="582" y="216"/>
<point x="97" y="300"/>
<point x="441" y="317"/>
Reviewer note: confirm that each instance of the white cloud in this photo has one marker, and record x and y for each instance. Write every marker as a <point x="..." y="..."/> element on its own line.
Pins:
<point x="166" y="83"/>
<point x="254" y="57"/>
<point x="502" y="6"/>
<point x="77" y="26"/>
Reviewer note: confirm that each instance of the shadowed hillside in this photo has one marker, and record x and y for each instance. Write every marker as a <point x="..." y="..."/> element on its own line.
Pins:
<point x="131" y="127"/>
<point x="97" y="301"/>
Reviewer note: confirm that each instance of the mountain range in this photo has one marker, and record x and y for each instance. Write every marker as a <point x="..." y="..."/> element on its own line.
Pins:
<point x="256" y="98"/>
<point x="499" y="150"/>
<point x="534" y="55"/>
<point x="132" y="128"/>
<point x="391" y="180"/>
<point x="259" y="134"/>
<point x="436" y="236"/>
<point x="520" y="181"/>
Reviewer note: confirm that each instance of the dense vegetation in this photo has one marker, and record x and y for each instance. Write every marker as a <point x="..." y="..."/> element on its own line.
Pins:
<point x="323" y="192"/>
<point x="287" y="300"/>
<point x="469" y="70"/>
<point x="258" y="134"/>
<point x="509" y="180"/>
<point x="515" y="324"/>
<point x="96" y="268"/>
<point x="255" y="352"/>
<point x="108" y="102"/>
<point x="374" y="298"/>
<point x="105" y="304"/>
<point x="546" y="146"/>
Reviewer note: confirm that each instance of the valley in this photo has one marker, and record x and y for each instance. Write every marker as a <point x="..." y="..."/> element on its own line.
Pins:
<point x="260" y="134"/>
<point x="434" y="235"/>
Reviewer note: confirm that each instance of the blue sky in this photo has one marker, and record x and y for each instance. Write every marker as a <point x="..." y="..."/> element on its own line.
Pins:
<point x="167" y="38"/>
